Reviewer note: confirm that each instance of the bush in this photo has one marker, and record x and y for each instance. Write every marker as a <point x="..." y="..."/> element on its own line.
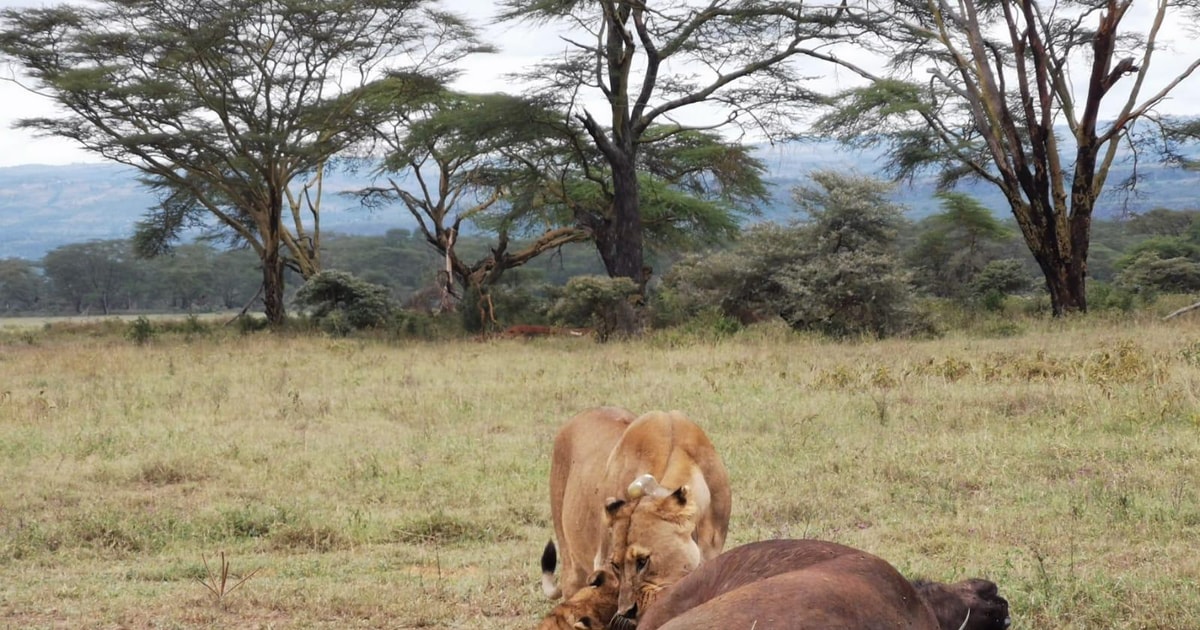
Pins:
<point x="1149" y="274"/>
<point x="998" y="280"/>
<point x="846" y="294"/>
<point x="1103" y="296"/>
<point x="247" y="323"/>
<point x="598" y="301"/>
<point x="837" y="274"/>
<point x="140" y="331"/>
<point x="340" y="303"/>
<point x="742" y="281"/>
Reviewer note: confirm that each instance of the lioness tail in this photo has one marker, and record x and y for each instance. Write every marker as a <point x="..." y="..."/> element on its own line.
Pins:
<point x="549" y="561"/>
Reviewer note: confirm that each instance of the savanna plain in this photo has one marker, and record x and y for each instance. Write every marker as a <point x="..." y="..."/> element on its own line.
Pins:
<point x="272" y="480"/>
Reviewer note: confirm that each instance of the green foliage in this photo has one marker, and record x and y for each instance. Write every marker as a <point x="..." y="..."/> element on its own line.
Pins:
<point x="413" y="325"/>
<point x="848" y="293"/>
<point x="863" y="112"/>
<point x="955" y="245"/>
<point x="597" y="301"/>
<point x="226" y="108"/>
<point x="21" y="287"/>
<point x="141" y="331"/>
<point x="341" y="303"/>
<point x="848" y="212"/>
<point x="997" y="280"/>
<point x="1106" y="296"/>
<point x="1164" y="247"/>
<point x="1163" y="222"/>
<point x="1149" y="274"/>
<point x="838" y="273"/>
<point x="851" y="283"/>
<point x="741" y="281"/>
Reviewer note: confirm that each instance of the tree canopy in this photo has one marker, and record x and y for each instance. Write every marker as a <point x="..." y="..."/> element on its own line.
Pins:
<point x="987" y="90"/>
<point x="232" y="109"/>
<point x="648" y="61"/>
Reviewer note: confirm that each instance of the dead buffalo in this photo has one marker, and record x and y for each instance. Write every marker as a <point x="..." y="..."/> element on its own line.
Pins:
<point x="811" y="584"/>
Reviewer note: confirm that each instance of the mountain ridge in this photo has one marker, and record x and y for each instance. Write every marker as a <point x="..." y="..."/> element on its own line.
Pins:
<point x="46" y="206"/>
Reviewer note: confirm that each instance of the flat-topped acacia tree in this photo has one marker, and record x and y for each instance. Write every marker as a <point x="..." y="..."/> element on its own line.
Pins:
<point x="645" y="61"/>
<point x="512" y="168"/>
<point x="231" y="109"/>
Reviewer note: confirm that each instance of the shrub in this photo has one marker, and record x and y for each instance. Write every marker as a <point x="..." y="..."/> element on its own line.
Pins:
<point x="341" y="303"/>
<point x="837" y="274"/>
<point x="1109" y="297"/>
<point x="1149" y="274"/>
<point x="998" y="280"/>
<point x="140" y="331"/>
<point x="847" y="294"/>
<point x="598" y="301"/>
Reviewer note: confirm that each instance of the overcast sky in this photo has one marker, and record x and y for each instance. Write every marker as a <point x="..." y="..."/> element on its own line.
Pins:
<point x="483" y="73"/>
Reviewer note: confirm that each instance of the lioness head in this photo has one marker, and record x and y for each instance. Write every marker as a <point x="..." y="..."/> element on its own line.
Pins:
<point x="652" y="544"/>
<point x="590" y="608"/>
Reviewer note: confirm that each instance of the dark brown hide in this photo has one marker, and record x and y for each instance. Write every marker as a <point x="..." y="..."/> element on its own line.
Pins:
<point x="802" y="584"/>
<point x="951" y="602"/>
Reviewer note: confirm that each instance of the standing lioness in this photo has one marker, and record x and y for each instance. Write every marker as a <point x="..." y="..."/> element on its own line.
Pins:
<point x="651" y="532"/>
<point x="581" y="450"/>
<point x="675" y="514"/>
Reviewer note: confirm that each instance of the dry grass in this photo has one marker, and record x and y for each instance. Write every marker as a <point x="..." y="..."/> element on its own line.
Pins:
<point x="404" y="486"/>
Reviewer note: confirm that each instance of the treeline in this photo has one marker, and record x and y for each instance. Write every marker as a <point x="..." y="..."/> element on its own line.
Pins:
<point x="962" y="253"/>
<point x="105" y="277"/>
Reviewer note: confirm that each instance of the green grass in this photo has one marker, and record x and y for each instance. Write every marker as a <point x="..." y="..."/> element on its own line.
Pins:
<point x="403" y="485"/>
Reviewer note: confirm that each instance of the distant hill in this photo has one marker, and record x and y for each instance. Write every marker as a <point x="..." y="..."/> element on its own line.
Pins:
<point x="1159" y="186"/>
<point x="44" y="207"/>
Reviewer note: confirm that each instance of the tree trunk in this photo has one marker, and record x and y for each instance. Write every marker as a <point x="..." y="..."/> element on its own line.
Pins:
<point x="272" y="266"/>
<point x="1065" y="279"/>
<point x="271" y="260"/>
<point x="626" y="257"/>
<point x="621" y="246"/>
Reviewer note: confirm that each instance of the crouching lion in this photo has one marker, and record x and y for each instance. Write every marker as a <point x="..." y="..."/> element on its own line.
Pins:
<point x="811" y="584"/>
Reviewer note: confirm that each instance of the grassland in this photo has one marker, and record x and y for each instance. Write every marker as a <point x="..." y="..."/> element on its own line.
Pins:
<point x="370" y="484"/>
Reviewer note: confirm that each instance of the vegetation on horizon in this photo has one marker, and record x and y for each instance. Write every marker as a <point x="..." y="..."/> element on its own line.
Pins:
<point x="235" y="112"/>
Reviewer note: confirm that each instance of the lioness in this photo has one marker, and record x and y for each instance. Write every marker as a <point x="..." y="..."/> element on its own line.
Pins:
<point x="673" y="517"/>
<point x="597" y="454"/>
<point x="797" y="584"/>
<point x="590" y="608"/>
<point x="581" y="450"/>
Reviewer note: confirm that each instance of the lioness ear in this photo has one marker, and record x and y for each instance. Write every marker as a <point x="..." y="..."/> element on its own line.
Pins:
<point x="681" y="495"/>
<point x="582" y="624"/>
<point x="597" y="579"/>
<point x="611" y="505"/>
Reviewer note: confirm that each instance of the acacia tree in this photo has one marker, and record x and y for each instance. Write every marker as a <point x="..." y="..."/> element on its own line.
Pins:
<point x="955" y="244"/>
<point x="511" y="167"/>
<point x="649" y="60"/>
<point x="95" y="273"/>
<point x="21" y="286"/>
<point x="984" y="89"/>
<point x="230" y="108"/>
<point x="475" y="158"/>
